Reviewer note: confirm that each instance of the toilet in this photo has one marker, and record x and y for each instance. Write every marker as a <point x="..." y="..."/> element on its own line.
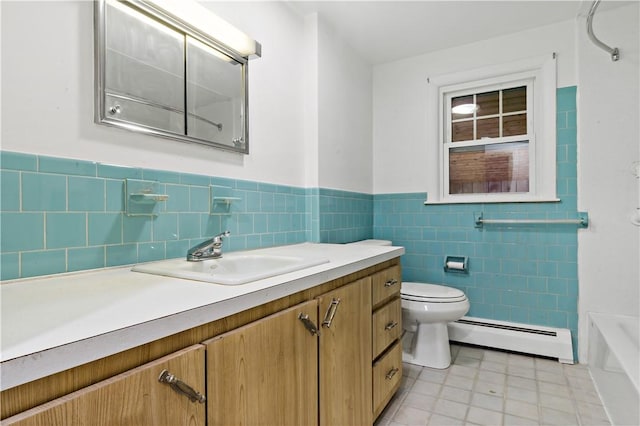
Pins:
<point x="426" y="310"/>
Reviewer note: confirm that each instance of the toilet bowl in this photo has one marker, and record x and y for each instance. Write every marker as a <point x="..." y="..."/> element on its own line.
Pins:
<point x="426" y="310"/>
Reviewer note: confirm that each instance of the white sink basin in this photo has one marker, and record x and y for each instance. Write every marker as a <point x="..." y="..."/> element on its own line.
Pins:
<point x="231" y="269"/>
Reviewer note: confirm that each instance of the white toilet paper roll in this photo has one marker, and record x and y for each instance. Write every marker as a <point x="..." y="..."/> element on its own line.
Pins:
<point x="455" y="265"/>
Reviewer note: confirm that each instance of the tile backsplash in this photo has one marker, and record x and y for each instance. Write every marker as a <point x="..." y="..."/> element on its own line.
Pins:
<point x="63" y="215"/>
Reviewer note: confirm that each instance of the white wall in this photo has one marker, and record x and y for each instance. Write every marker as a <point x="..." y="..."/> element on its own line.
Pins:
<point x="404" y="150"/>
<point x="47" y="94"/>
<point x="609" y="143"/>
<point x="344" y="115"/>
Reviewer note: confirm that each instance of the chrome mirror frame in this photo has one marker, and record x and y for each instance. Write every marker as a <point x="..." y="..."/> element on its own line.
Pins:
<point x="101" y="116"/>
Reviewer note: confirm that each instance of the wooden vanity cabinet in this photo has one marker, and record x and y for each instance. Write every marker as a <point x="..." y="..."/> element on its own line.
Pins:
<point x="328" y="355"/>
<point x="134" y="398"/>
<point x="265" y="373"/>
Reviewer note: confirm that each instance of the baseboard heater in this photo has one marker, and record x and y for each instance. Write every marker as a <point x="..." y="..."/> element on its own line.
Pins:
<point x="525" y="338"/>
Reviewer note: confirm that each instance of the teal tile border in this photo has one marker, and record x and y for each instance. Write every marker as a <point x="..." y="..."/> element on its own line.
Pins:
<point x="18" y="161"/>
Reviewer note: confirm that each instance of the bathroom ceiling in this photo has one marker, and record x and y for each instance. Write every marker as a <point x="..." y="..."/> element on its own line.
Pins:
<point x="384" y="31"/>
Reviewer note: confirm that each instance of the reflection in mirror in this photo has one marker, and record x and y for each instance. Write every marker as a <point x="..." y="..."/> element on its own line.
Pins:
<point x="156" y="74"/>
<point x="144" y="75"/>
<point x="214" y="95"/>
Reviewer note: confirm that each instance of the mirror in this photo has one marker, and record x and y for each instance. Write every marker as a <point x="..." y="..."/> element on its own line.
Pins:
<point x="157" y="75"/>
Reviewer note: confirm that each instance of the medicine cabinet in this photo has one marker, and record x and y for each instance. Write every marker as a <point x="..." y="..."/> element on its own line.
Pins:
<point x="159" y="74"/>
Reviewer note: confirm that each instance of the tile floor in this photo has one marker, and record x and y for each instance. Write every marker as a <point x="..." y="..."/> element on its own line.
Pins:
<point x="487" y="387"/>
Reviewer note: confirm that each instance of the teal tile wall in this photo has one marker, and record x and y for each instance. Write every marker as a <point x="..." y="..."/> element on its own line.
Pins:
<point x="525" y="274"/>
<point x="64" y="215"/>
<point x="345" y="216"/>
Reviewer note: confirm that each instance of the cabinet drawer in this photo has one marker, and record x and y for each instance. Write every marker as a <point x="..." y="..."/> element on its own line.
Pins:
<point x="387" y="374"/>
<point x="387" y="326"/>
<point x="386" y="284"/>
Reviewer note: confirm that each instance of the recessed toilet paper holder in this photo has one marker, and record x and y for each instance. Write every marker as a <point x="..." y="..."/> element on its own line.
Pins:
<point x="457" y="264"/>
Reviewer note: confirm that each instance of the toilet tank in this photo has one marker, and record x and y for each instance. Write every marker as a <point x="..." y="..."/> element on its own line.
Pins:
<point x="372" y="242"/>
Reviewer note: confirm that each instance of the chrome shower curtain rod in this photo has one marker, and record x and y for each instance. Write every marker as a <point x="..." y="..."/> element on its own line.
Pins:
<point x="615" y="53"/>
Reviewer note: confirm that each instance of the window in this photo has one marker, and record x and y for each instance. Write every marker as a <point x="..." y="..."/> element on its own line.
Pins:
<point x="496" y="134"/>
<point x="488" y="139"/>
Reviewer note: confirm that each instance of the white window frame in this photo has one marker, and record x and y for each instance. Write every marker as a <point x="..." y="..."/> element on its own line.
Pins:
<point x="540" y="72"/>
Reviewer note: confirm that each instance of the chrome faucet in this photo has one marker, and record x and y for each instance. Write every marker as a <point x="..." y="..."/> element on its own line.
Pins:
<point x="210" y="249"/>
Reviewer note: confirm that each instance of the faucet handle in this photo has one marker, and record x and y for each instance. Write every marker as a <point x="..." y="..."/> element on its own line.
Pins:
<point x="218" y="238"/>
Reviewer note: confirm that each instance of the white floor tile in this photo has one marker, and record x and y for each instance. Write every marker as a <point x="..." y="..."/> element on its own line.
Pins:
<point x="464" y="371"/>
<point x="521" y="394"/>
<point x="461" y="382"/>
<point x="455" y="394"/>
<point x="548" y="376"/>
<point x="426" y="388"/>
<point x="560" y="418"/>
<point x="419" y="401"/>
<point x="496" y="389"/>
<point x="510" y="420"/>
<point x="521" y="409"/>
<point x="481" y="416"/>
<point x="486" y="387"/>
<point x="557" y="403"/>
<point x="438" y="420"/>
<point x="498" y="367"/>
<point x="492" y="377"/>
<point x="489" y="402"/>
<point x="448" y="408"/>
<point x="554" y="389"/>
<point x="433" y="375"/>
<point x="411" y="416"/>
<point x="521" y="371"/>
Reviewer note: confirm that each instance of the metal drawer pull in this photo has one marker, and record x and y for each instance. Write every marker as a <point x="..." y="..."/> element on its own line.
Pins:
<point x="391" y="373"/>
<point x="391" y="325"/>
<point x="331" y="312"/>
<point x="391" y="282"/>
<point x="308" y="324"/>
<point x="181" y="387"/>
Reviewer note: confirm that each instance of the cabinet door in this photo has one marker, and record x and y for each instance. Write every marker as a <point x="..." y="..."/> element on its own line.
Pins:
<point x="265" y="373"/>
<point x="345" y="355"/>
<point x="133" y="398"/>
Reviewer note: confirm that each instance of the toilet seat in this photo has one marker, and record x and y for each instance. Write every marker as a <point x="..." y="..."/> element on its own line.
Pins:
<point x="431" y="293"/>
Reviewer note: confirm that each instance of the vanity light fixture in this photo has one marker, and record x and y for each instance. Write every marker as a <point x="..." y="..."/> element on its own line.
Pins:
<point x="464" y="109"/>
<point x="197" y="17"/>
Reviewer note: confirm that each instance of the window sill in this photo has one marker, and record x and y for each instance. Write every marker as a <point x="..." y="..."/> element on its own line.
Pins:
<point x="491" y="200"/>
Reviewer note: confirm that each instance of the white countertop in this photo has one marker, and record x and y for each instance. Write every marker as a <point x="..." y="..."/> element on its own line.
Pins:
<point x="57" y="322"/>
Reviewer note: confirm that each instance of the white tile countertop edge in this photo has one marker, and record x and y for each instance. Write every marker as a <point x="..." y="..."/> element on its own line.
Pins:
<point x="57" y="322"/>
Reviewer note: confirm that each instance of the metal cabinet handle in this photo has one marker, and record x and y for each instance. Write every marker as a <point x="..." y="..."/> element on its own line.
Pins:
<point x="391" y="373"/>
<point x="331" y="312"/>
<point x="391" y="325"/>
<point x="308" y="324"/>
<point x="181" y="387"/>
<point x="391" y="282"/>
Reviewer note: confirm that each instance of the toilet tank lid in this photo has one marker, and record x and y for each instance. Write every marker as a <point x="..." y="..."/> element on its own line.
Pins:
<point x="372" y="242"/>
<point x="430" y="290"/>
